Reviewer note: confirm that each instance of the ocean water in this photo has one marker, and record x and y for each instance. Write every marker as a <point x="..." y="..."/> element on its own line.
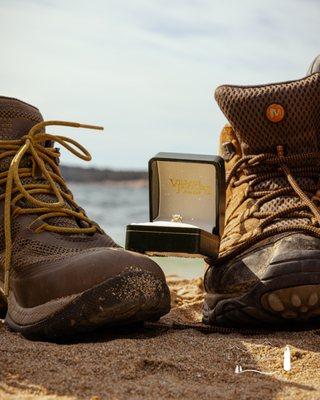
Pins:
<point x="113" y="207"/>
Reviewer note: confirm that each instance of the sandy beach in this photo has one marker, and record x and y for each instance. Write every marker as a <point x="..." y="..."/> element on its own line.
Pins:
<point x="149" y="363"/>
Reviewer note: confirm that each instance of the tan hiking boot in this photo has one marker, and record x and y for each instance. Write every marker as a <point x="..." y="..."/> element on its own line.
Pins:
<point x="61" y="273"/>
<point x="268" y="270"/>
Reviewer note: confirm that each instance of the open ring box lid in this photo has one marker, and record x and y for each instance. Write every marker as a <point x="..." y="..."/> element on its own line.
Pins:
<point x="187" y="202"/>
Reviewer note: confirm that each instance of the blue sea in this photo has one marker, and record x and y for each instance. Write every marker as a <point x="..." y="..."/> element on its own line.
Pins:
<point x="115" y="206"/>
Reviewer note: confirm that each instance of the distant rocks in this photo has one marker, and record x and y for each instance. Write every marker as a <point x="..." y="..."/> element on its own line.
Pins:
<point x="94" y="175"/>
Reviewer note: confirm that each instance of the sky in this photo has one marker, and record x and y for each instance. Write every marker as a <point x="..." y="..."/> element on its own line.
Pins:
<point x="147" y="69"/>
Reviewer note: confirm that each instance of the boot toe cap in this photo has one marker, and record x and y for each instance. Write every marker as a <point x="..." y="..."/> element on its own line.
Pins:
<point x="80" y="272"/>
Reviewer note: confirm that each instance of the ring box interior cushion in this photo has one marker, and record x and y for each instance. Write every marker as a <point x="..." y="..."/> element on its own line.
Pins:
<point x="186" y="202"/>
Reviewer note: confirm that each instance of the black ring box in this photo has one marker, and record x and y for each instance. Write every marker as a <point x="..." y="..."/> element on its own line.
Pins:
<point x="186" y="203"/>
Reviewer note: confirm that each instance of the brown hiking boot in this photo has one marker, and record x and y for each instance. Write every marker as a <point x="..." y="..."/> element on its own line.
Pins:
<point x="268" y="270"/>
<point x="61" y="273"/>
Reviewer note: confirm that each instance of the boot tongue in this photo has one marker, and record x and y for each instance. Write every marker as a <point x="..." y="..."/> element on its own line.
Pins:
<point x="16" y="118"/>
<point x="264" y="117"/>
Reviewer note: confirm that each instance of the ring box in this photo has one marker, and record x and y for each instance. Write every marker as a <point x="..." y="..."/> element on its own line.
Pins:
<point x="186" y="203"/>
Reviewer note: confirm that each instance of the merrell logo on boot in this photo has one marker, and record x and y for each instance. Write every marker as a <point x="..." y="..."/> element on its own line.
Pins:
<point x="275" y="112"/>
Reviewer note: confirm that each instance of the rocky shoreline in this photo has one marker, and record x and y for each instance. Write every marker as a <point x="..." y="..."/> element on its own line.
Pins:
<point x="104" y="175"/>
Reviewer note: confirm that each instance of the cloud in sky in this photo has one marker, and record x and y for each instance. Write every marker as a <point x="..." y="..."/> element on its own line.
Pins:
<point x="147" y="69"/>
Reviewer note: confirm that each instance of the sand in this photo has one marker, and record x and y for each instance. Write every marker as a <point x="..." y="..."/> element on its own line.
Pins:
<point x="161" y="364"/>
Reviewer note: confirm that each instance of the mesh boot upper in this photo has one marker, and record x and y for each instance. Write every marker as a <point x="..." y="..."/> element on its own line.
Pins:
<point x="261" y="171"/>
<point x="245" y="108"/>
<point x="16" y="119"/>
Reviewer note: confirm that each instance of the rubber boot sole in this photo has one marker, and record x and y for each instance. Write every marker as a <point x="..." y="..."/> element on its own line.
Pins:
<point x="288" y="297"/>
<point x="125" y="299"/>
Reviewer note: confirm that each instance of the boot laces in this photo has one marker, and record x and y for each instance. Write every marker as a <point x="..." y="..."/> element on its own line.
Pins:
<point x="255" y="169"/>
<point x="44" y="165"/>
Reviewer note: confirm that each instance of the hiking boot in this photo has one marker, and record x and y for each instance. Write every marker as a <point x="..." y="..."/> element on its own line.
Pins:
<point x="315" y="66"/>
<point x="268" y="270"/>
<point x="61" y="273"/>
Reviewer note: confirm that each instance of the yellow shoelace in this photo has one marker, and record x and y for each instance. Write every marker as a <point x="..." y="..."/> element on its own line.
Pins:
<point x="33" y="145"/>
<point x="269" y="166"/>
